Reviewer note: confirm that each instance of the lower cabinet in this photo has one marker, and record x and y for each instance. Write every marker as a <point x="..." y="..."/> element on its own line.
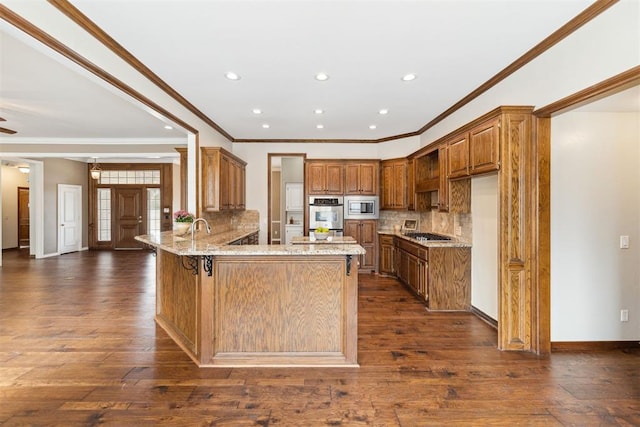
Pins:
<point x="439" y="276"/>
<point x="251" y="239"/>
<point x="385" y="262"/>
<point x="365" y="233"/>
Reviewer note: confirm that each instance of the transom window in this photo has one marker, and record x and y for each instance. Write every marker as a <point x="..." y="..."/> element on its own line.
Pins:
<point x="129" y="177"/>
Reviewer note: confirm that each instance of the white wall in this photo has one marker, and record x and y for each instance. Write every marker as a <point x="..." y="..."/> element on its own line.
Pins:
<point x="595" y="198"/>
<point x="484" y="252"/>
<point x="604" y="47"/>
<point x="12" y="178"/>
<point x="61" y="171"/>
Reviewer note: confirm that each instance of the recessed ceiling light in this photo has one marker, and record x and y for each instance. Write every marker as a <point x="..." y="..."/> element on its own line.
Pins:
<point x="383" y="111"/>
<point x="320" y="126"/>
<point x="168" y="127"/>
<point x="257" y="111"/>
<point x="318" y="111"/>
<point x="322" y="76"/>
<point x="408" y="77"/>
<point x="232" y="76"/>
<point x="372" y="126"/>
<point x="266" y="126"/>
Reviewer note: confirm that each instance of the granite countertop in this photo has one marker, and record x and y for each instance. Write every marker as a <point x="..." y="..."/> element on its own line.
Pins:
<point x="331" y="240"/>
<point x="453" y="243"/>
<point x="218" y="244"/>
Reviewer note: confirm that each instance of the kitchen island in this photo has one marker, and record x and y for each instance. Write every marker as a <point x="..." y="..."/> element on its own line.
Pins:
<point x="257" y="305"/>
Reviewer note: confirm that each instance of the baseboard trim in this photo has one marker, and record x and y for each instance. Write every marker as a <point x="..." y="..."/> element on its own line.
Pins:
<point x="485" y="317"/>
<point x="560" y="346"/>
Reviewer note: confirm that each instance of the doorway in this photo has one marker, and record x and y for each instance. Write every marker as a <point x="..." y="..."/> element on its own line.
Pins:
<point x="285" y="181"/>
<point x="23" y="217"/>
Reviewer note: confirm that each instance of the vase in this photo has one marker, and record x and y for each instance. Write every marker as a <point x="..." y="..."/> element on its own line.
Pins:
<point x="181" y="227"/>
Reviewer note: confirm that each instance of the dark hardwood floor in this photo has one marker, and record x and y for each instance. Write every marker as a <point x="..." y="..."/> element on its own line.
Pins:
<point x="79" y="346"/>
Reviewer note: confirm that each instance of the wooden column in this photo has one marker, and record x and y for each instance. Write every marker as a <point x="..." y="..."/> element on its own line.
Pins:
<point x="517" y="230"/>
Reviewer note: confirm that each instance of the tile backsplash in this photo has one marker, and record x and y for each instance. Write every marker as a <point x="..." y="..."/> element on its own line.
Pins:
<point x="236" y="220"/>
<point x="430" y="221"/>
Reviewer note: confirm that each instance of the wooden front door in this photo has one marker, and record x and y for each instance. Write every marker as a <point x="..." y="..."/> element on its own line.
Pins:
<point x="23" y="217"/>
<point x="129" y="218"/>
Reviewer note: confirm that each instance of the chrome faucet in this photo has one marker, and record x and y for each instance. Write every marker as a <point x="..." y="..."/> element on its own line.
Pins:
<point x="193" y="226"/>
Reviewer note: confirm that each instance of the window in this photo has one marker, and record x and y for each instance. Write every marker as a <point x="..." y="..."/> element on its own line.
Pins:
<point x="104" y="214"/>
<point x="153" y="210"/>
<point x="129" y="177"/>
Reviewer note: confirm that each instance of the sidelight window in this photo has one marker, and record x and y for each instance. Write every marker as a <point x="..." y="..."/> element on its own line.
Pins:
<point x="153" y="210"/>
<point x="104" y="214"/>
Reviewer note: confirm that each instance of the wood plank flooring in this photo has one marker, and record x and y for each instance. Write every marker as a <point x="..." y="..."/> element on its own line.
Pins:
<point x="79" y="346"/>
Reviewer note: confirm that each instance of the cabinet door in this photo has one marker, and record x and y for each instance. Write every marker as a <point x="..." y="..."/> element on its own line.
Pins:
<point x="386" y="261"/>
<point x="225" y="182"/>
<point x="411" y="185"/>
<point x="387" y="186"/>
<point x="458" y="156"/>
<point x="413" y="273"/>
<point x="484" y="147"/>
<point x="399" y="185"/>
<point x="294" y="196"/>
<point x="352" y="228"/>
<point x="316" y="177"/>
<point x="210" y="173"/>
<point x="443" y="189"/>
<point x="368" y="240"/>
<point x="334" y="178"/>
<point x="352" y="179"/>
<point x="369" y="179"/>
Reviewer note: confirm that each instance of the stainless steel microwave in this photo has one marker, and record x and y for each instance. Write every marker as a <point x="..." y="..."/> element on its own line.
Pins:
<point x="361" y="207"/>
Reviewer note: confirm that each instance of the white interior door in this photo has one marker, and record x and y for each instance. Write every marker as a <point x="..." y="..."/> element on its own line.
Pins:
<point x="69" y="218"/>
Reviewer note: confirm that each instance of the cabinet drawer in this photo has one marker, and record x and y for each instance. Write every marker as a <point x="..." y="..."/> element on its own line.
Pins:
<point x="413" y="249"/>
<point x="386" y="240"/>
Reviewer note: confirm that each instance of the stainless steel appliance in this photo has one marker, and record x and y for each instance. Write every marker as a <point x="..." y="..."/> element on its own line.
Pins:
<point x="326" y="211"/>
<point x="361" y="207"/>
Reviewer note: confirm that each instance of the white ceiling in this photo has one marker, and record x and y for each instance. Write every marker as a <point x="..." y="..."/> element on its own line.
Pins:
<point x="276" y="47"/>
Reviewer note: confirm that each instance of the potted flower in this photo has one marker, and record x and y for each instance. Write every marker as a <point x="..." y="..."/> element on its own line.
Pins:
<point x="182" y="220"/>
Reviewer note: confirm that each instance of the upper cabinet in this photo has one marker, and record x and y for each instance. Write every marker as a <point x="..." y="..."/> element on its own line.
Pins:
<point x="294" y="197"/>
<point x="334" y="177"/>
<point x="394" y="184"/>
<point x="223" y="180"/>
<point x="361" y="178"/>
<point x="324" y="177"/>
<point x="484" y="147"/>
<point x="476" y="151"/>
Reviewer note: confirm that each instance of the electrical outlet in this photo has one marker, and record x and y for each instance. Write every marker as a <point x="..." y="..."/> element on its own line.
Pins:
<point x="624" y="315"/>
<point x="624" y="242"/>
<point x="458" y="230"/>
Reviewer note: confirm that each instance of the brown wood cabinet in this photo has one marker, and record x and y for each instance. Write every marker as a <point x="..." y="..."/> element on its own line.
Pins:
<point x="386" y="265"/>
<point x="223" y="180"/>
<point x="394" y="184"/>
<point x="441" y="276"/>
<point x="324" y="177"/>
<point x="365" y="232"/>
<point x="476" y="151"/>
<point x="484" y="147"/>
<point x="361" y="178"/>
<point x="433" y="187"/>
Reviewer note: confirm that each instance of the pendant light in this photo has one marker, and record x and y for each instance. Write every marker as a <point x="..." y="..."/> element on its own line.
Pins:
<point x="95" y="170"/>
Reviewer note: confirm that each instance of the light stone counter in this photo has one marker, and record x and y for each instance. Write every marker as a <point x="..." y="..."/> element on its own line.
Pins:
<point x="218" y="244"/>
<point x="453" y="243"/>
<point x="331" y="240"/>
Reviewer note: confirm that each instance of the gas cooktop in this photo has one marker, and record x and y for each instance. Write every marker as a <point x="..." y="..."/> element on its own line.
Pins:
<point x="427" y="236"/>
